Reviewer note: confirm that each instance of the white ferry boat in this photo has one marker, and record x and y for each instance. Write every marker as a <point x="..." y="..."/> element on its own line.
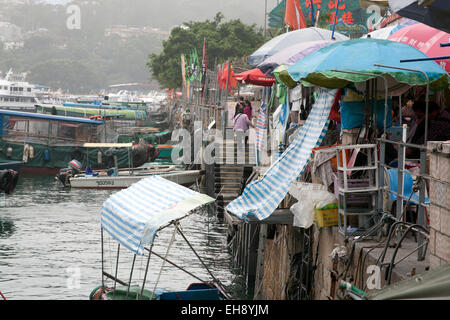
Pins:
<point x="17" y="94"/>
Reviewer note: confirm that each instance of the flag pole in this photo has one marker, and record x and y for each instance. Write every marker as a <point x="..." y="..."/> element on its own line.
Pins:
<point x="265" y="19"/>
<point x="335" y="20"/>
<point x="313" y="20"/>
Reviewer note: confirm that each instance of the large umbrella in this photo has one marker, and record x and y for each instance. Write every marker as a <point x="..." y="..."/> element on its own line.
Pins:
<point x="256" y="77"/>
<point x="435" y="13"/>
<point x="290" y="38"/>
<point x="386" y="32"/>
<point x="291" y="55"/>
<point x="427" y="39"/>
<point x="321" y="67"/>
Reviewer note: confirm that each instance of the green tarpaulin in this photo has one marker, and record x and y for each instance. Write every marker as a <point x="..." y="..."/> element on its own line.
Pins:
<point x="432" y="285"/>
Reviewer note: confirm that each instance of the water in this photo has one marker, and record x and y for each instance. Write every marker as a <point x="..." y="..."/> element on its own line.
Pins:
<point x="50" y="245"/>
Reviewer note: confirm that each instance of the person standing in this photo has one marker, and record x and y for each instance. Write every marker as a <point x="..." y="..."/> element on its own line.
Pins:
<point x="241" y="124"/>
<point x="248" y="109"/>
<point x="239" y="106"/>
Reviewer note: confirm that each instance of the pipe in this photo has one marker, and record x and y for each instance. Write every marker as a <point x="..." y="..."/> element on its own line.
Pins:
<point x="426" y="59"/>
<point x="146" y="270"/>
<point x="421" y="212"/>
<point x="335" y="20"/>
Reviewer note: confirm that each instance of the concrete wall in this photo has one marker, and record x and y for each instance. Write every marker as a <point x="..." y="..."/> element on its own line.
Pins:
<point x="327" y="239"/>
<point x="440" y="203"/>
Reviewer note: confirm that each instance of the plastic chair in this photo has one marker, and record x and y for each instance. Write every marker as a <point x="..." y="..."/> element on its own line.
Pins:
<point x="408" y="183"/>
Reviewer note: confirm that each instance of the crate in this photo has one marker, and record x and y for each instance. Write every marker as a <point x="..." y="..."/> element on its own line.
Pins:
<point x="327" y="216"/>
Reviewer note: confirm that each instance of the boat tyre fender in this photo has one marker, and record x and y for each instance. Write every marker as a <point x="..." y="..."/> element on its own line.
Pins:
<point x="5" y="181"/>
<point x="26" y="151"/>
<point x="13" y="183"/>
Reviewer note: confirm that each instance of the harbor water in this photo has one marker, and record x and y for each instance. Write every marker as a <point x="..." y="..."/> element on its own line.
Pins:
<point x="50" y="245"/>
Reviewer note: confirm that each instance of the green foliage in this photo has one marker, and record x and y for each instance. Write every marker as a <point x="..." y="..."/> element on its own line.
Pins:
<point x="224" y="40"/>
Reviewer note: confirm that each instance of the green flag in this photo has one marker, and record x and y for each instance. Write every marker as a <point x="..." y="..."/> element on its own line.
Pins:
<point x="276" y="16"/>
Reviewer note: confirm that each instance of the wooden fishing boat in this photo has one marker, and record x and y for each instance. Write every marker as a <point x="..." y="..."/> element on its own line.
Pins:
<point x="10" y="165"/>
<point x="47" y="143"/>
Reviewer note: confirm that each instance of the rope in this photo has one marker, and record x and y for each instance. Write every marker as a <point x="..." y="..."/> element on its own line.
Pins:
<point x="1" y="294"/>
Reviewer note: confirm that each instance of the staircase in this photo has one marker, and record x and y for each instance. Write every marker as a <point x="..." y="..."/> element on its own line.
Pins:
<point x="231" y="170"/>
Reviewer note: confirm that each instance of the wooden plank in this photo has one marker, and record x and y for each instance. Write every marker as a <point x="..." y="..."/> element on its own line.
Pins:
<point x="280" y="216"/>
<point x="260" y="262"/>
<point x="252" y="256"/>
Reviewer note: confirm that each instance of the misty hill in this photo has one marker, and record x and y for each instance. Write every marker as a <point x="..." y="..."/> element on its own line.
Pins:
<point x="114" y="39"/>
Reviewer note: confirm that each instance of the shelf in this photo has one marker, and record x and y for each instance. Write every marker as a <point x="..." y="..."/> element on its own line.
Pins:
<point x="346" y="191"/>
<point x="357" y="168"/>
<point x="356" y="213"/>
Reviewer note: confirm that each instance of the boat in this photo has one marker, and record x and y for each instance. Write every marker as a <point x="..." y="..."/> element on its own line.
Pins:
<point x="124" y="178"/>
<point x="17" y="94"/>
<point x="77" y="110"/>
<point x="132" y="218"/>
<point x="127" y="115"/>
<point x="10" y="165"/>
<point x="47" y="143"/>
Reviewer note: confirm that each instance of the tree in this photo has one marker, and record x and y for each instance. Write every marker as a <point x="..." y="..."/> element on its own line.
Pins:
<point x="224" y="40"/>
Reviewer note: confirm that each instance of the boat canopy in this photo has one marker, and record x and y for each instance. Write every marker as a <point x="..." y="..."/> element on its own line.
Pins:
<point x="40" y="116"/>
<point x="134" y="215"/>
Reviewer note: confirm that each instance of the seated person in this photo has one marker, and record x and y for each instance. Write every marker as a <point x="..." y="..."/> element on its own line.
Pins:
<point x="408" y="114"/>
<point x="438" y="126"/>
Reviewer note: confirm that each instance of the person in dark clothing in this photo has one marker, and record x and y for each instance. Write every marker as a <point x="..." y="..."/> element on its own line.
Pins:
<point x="438" y="126"/>
<point x="239" y="106"/>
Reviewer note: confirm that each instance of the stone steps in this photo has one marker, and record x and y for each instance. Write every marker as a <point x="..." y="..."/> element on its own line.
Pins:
<point x="229" y="176"/>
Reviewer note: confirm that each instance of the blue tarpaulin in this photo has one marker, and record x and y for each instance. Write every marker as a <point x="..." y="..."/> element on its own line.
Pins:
<point x="353" y="114"/>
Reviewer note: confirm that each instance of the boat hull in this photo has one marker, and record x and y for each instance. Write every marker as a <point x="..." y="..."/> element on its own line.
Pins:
<point x="196" y="291"/>
<point x="10" y="165"/>
<point x="185" y="178"/>
<point x="49" y="159"/>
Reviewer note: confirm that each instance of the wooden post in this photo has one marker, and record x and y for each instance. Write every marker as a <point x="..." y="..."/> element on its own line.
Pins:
<point x="260" y="262"/>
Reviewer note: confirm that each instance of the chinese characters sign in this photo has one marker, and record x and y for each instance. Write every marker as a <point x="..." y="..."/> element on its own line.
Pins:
<point x="351" y="17"/>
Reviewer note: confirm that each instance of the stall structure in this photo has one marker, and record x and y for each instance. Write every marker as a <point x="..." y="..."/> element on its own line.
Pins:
<point x="360" y="79"/>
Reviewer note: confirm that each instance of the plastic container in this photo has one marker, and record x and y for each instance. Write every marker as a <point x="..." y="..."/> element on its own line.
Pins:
<point x="326" y="216"/>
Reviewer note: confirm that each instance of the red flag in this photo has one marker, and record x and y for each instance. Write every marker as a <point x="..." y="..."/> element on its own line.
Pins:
<point x="293" y="16"/>
<point x="232" y="83"/>
<point x="219" y="76"/>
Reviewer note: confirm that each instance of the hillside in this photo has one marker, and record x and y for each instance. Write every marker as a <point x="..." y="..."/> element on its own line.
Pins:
<point x="111" y="45"/>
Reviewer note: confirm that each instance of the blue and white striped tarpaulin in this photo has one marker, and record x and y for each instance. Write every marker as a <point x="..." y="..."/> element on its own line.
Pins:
<point x="261" y="128"/>
<point x="261" y="197"/>
<point x="134" y="215"/>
